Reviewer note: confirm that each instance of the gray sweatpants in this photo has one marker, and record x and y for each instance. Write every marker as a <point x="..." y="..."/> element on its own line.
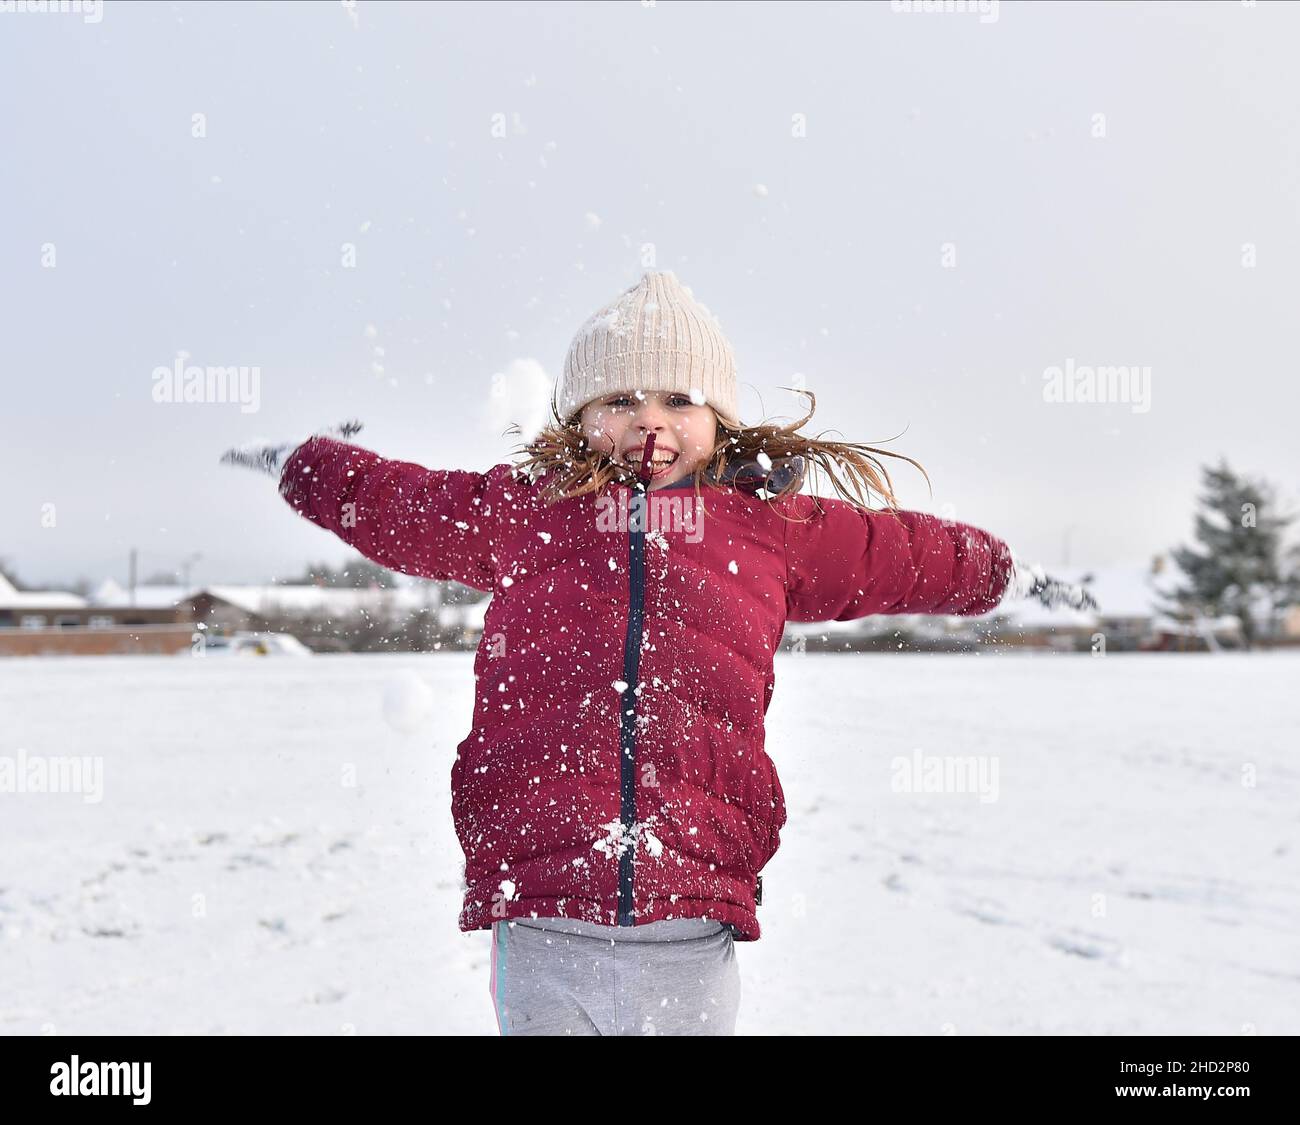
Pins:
<point x="562" y="976"/>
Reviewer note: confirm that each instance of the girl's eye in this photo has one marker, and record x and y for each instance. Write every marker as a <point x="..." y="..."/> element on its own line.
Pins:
<point x="675" y="400"/>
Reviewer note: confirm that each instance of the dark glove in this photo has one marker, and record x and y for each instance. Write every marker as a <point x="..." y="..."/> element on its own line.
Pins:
<point x="1031" y="581"/>
<point x="270" y="459"/>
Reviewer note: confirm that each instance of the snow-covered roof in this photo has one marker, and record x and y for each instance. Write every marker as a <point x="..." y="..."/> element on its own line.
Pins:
<point x="13" y="598"/>
<point x="262" y="600"/>
<point x="265" y="600"/>
<point x="110" y="595"/>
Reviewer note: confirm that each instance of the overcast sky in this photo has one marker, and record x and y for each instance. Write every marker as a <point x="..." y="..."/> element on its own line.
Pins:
<point x="914" y="214"/>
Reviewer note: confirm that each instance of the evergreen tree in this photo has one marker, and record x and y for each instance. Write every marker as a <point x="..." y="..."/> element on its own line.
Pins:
<point x="1236" y="565"/>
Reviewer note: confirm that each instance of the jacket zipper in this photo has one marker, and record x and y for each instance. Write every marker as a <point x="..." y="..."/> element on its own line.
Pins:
<point x="638" y="511"/>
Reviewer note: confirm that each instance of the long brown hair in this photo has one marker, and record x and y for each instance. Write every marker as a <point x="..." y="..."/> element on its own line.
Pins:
<point x="562" y="448"/>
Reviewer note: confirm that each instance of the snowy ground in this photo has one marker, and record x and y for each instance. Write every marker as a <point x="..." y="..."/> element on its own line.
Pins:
<point x="232" y="880"/>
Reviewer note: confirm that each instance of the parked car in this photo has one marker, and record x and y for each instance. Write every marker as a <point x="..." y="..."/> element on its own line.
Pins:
<point x="254" y="644"/>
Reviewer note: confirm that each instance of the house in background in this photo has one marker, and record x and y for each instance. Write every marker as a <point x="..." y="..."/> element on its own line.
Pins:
<point x="330" y="618"/>
<point x="143" y="605"/>
<point x="262" y="607"/>
<point x="173" y="619"/>
<point x="37" y="609"/>
<point x="54" y="622"/>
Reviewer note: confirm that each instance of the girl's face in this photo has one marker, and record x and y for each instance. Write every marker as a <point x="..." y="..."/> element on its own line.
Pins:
<point x="617" y="424"/>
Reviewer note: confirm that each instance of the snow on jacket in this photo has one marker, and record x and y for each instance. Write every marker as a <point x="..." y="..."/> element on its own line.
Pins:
<point x="615" y="770"/>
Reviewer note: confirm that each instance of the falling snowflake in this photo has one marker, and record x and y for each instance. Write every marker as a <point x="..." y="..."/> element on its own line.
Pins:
<point x="653" y="845"/>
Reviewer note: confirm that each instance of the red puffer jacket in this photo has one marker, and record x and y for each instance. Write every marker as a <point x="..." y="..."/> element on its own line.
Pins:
<point x="615" y="770"/>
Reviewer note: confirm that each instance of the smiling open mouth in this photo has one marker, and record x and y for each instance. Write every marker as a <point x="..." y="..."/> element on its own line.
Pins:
<point x="660" y="463"/>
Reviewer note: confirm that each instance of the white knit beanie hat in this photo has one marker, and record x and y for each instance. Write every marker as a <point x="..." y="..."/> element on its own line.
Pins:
<point x="654" y="337"/>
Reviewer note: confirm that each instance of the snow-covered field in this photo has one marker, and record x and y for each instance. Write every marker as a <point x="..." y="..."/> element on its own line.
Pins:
<point x="273" y="851"/>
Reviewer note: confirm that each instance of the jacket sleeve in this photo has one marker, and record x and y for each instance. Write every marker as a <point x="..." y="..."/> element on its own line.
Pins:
<point x="846" y="563"/>
<point x="428" y="522"/>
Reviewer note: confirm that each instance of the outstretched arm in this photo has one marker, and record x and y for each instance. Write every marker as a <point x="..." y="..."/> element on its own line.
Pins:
<point x="846" y="563"/>
<point x="428" y="522"/>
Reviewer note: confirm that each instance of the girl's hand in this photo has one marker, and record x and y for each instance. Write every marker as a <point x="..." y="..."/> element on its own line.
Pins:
<point x="1031" y="581"/>
<point x="270" y="458"/>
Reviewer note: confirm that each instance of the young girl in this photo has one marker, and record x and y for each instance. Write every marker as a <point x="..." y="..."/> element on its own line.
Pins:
<point x="613" y="797"/>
